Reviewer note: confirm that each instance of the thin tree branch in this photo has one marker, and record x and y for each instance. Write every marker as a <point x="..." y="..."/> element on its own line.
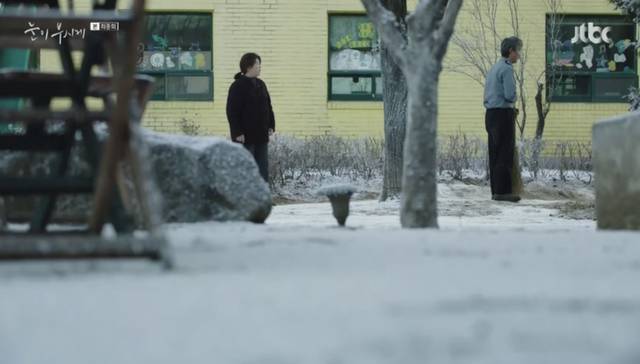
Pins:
<point x="388" y="28"/>
<point x="472" y="56"/>
<point x="478" y="79"/>
<point x="424" y="18"/>
<point x="447" y="25"/>
<point x="515" y="17"/>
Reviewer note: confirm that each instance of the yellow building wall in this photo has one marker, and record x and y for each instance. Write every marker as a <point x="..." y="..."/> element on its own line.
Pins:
<point x="292" y="37"/>
<point x="461" y="98"/>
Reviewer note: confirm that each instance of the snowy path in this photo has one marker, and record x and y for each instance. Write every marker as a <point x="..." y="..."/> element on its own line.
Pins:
<point x="460" y="207"/>
<point x="298" y="290"/>
<point x="247" y="294"/>
<point x="493" y="216"/>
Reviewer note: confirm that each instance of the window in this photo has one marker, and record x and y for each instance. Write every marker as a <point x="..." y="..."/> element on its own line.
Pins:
<point x="354" y="59"/>
<point x="176" y="51"/>
<point x="590" y="58"/>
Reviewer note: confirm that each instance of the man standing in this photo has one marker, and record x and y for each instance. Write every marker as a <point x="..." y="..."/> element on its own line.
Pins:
<point x="499" y="100"/>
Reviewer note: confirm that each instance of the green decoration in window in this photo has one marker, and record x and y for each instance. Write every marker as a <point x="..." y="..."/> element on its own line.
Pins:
<point x="354" y="59"/>
<point x="177" y="51"/>
<point x="590" y="58"/>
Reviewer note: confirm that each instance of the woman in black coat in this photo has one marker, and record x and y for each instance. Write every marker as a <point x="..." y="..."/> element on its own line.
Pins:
<point x="250" y="113"/>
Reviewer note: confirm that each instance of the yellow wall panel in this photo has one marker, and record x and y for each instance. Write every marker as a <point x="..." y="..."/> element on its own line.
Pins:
<point x="291" y="36"/>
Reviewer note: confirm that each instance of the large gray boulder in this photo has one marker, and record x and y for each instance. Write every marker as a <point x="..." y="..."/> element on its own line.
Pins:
<point x="616" y="163"/>
<point x="207" y="178"/>
<point x="199" y="179"/>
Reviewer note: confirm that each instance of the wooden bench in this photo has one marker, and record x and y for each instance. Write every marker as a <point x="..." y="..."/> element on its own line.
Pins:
<point x="124" y="96"/>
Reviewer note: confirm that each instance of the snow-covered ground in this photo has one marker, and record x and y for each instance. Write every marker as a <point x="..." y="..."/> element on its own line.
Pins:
<point x="462" y="206"/>
<point x="499" y="283"/>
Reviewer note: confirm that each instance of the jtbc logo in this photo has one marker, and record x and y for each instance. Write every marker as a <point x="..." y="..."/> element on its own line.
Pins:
<point x="589" y="33"/>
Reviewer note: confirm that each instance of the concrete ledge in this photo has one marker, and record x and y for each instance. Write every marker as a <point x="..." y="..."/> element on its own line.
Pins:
<point x="616" y="163"/>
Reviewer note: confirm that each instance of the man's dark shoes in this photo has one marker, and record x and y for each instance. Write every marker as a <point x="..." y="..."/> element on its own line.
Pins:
<point x="506" y="197"/>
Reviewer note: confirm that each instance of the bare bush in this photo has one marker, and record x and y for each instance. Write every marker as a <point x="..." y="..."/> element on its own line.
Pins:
<point x="293" y="159"/>
<point x="459" y="152"/>
<point x="557" y="160"/>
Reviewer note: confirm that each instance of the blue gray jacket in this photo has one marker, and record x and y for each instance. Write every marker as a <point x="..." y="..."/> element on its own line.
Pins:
<point x="500" y="87"/>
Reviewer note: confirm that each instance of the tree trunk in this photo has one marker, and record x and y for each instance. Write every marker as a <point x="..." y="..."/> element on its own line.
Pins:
<point x="541" y="112"/>
<point x="419" y="207"/>
<point x="537" y="141"/>
<point x="420" y="49"/>
<point x="395" y="111"/>
<point x="395" y="119"/>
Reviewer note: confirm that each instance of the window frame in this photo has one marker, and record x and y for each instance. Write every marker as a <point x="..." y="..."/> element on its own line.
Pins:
<point x="372" y="75"/>
<point x="167" y="73"/>
<point x="613" y="19"/>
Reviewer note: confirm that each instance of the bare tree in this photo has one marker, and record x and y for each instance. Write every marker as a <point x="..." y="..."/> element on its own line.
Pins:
<point x="395" y="108"/>
<point x="479" y="40"/>
<point x="419" y="55"/>
<point x="551" y="77"/>
<point x="479" y="43"/>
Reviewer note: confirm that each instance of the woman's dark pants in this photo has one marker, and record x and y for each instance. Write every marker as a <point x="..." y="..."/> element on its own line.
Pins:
<point x="500" y="125"/>
<point x="260" y="153"/>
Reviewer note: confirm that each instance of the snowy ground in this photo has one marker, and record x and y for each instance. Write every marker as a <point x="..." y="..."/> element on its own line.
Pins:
<point x="463" y="206"/>
<point x="498" y="284"/>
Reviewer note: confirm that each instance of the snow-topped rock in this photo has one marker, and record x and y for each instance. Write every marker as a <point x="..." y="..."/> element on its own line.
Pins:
<point x="207" y="178"/>
<point x="617" y="172"/>
<point x="199" y="179"/>
<point x="337" y="190"/>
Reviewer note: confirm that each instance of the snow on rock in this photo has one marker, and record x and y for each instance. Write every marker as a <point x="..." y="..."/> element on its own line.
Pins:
<point x="207" y="178"/>
<point x="336" y="190"/>
<point x="199" y="178"/>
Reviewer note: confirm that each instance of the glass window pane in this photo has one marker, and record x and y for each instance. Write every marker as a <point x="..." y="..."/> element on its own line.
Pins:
<point x="612" y="88"/>
<point x="379" y="86"/>
<point x="573" y="85"/>
<point x="343" y="86"/>
<point x="353" y="43"/>
<point x="176" y="42"/>
<point x="353" y="31"/>
<point x="188" y="87"/>
<point x="591" y="43"/>
<point x="354" y="60"/>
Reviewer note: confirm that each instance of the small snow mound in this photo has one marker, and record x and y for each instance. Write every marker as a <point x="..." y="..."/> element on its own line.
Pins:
<point x="191" y="142"/>
<point x="197" y="143"/>
<point x="339" y="189"/>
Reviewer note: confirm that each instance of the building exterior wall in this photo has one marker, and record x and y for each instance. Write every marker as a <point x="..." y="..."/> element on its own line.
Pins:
<point x="292" y="38"/>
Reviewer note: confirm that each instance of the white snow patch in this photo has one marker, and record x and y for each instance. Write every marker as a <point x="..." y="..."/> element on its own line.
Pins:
<point x="499" y="283"/>
<point x="198" y="143"/>
<point x="246" y="293"/>
<point x="337" y="189"/>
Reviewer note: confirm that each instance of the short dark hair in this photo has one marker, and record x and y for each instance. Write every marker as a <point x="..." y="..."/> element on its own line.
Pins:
<point x="508" y="44"/>
<point x="248" y="60"/>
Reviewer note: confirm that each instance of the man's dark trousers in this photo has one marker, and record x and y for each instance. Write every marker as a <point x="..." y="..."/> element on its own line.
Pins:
<point x="500" y="125"/>
<point x="260" y="153"/>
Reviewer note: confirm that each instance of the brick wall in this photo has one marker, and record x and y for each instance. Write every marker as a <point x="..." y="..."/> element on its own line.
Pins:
<point x="291" y="36"/>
